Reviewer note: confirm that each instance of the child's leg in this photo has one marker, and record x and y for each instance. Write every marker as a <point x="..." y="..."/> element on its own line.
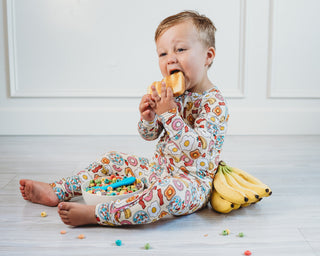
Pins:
<point x="111" y="163"/>
<point x="170" y="195"/>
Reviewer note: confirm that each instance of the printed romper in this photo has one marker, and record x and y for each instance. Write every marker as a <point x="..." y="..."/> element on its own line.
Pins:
<point x="178" y="178"/>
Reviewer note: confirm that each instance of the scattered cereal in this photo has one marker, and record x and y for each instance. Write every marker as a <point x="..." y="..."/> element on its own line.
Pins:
<point x="241" y="234"/>
<point x="81" y="236"/>
<point x="205" y="235"/>
<point x="62" y="232"/>
<point x="118" y="242"/>
<point x="43" y="214"/>
<point x="225" y="232"/>
<point x="147" y="246"/>
<point x="247" y="252"/>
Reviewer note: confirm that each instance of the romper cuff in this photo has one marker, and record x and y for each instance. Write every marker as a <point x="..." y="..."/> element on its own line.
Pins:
<point x="146" y="123"/>
<point x="167" y="115"/>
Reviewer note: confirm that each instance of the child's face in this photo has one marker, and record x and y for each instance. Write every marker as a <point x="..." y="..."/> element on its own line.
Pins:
<point x="179" y="48"/>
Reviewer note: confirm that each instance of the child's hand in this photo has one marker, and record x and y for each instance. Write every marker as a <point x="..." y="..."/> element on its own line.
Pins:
<point x="163" y="102"/>
<point x="146" y="108"/>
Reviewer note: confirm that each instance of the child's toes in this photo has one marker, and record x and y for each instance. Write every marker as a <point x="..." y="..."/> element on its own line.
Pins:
<point x="63" y="206"/>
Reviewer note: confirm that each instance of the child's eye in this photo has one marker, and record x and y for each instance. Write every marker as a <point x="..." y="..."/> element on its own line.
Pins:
<point x="162" y="54"/>
<point x="180" y="49"/>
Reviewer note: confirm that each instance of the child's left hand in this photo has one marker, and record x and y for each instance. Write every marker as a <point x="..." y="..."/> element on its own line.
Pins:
<point x="163" y="102"/>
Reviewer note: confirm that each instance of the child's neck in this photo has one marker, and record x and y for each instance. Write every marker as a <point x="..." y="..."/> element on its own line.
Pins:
<point x="204" y="86"/>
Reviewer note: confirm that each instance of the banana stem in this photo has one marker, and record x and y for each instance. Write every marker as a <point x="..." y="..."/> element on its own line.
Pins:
<point x="223" y="167"/>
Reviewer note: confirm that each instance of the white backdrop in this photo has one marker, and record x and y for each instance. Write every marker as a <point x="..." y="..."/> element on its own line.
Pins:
<point x="81" y="66"/>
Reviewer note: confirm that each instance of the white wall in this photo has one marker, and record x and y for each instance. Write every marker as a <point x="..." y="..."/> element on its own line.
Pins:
<point x="80" y="67"/>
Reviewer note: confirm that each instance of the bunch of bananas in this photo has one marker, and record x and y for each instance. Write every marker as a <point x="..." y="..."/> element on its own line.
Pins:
<point x="234" y="188"/>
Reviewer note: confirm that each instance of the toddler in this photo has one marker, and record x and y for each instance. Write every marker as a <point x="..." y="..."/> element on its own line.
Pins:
<point x="191" y="127"/>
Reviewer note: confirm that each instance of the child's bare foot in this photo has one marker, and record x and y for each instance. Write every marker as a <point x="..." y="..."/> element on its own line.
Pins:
<point x="38" y="192"/>
<point x="76" y="214"/>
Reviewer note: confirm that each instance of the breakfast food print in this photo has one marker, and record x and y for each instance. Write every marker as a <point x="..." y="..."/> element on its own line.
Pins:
<point x="178" y="177"/>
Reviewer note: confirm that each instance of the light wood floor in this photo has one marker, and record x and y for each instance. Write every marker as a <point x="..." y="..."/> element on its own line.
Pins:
<point x="287" y="223"/>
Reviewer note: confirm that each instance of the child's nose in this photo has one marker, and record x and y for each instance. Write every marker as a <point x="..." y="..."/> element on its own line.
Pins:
<point x="172" y="58"/>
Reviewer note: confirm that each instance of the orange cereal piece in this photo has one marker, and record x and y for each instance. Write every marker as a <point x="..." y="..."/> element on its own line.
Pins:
<point x="81" y="236"/>
<point x="62" y="232"/>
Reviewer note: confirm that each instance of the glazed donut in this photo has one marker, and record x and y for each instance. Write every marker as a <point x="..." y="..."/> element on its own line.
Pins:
<point x="176" y="81"/>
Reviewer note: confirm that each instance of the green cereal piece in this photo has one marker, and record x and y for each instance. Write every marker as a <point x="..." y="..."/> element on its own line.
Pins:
<point x="241" y="234"/>
<point x="147" y="246"/>
<point x="225" y="233"/>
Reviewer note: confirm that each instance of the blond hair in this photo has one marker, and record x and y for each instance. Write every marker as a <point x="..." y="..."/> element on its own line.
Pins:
<point x="203" y="24"/>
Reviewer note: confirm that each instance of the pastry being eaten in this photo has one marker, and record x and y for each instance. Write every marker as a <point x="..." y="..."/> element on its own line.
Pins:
<point x="176" y="81"/>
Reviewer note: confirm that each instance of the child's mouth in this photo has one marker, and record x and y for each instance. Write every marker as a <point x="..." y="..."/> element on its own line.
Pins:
<point x="174" y="71"/>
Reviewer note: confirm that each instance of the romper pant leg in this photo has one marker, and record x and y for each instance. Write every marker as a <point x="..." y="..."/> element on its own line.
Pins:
<point x="111" y="163"/>
<point x="178" y="195"/>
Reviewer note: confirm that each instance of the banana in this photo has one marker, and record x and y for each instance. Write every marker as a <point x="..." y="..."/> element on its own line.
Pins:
<point x="235" y="188"/>
<point x="245" y="205"/>
<point x="221" y="205"/>
<point x="251" y="194"/>
<point x="225" y="190"/>
<point x="248" y="177"/>
<point x="236" y="206"/>
<point x="261" y="190"/>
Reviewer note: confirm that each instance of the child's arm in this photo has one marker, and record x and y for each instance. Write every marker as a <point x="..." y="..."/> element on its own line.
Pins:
<point x="148" y="126"/>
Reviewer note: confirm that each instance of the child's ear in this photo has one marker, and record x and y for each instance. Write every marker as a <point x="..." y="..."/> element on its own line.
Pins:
<point x="211" y="53"/>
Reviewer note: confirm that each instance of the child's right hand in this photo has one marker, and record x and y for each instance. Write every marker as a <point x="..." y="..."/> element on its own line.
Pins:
<point x="146" y="108"/>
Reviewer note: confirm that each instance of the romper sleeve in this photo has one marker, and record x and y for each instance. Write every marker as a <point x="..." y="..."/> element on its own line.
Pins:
<point x="206" y="137"/>
<point x="150" y="130"/>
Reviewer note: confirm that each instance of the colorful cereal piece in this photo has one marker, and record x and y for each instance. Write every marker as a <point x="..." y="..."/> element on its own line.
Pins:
<point x="225" y="232"/>
<point x="247" y="252"/>
<point x="62" y="232"/>
<point x="118" y="242"/>
<point x="81" y="236"/>
<point x="147" y="246"/>
<point x="44" y="214"/>
<point x="241" y="234"/>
